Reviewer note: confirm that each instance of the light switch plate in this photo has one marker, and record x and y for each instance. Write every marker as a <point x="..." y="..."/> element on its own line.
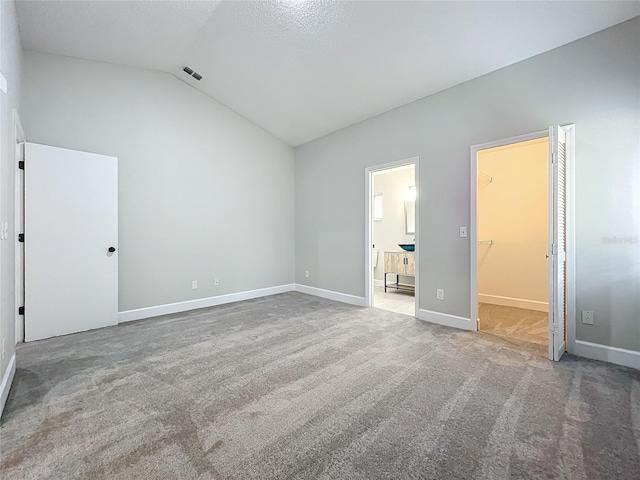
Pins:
<point x="463" y="232"/>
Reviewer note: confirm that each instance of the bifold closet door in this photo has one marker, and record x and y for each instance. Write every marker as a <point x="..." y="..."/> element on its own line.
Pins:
<point x="557" y="241"/>
<point x="71" y="240"/>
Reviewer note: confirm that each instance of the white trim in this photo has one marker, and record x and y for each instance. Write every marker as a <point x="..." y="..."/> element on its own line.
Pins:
<point x="378" y="283"/>
<point x="7" y="380"/>
<point x="3" y="83"/>
<point x="368" y="237"/>
<point x="570" y="232"/>
<point x="605" y="353"/>
<point x="331" y="295"/>
<point x="148" y="312"/>
<point x="446" y="320"/>
<point x="513" y="302"/>
<point x="403" y="166"/>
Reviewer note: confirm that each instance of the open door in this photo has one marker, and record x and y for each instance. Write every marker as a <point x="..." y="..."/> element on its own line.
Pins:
<point x="557" y="242"/>
<point x="19" y="147"/>
<point x="71" y="239"/>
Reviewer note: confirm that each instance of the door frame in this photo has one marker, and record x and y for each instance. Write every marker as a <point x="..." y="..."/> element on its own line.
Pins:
<point x="570" y="326"/>
<point x="368" y="277"/>
<point x="19" y="140"/>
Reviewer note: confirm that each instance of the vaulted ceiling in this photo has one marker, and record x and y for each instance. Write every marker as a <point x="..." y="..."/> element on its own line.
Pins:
<point x="302" y="69"/>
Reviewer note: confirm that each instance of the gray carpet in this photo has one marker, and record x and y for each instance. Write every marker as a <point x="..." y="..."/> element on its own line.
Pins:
<point x="521" y="327"/>
<point x="293" y="386"/>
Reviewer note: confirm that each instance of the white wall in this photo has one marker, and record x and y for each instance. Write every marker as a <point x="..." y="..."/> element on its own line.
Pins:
<point x="513" y="212"/>
<point x="389" y="232"/>
<point x="203" y="192"/>
<point x="11" y="69"/>
<point x="593" y="82"/>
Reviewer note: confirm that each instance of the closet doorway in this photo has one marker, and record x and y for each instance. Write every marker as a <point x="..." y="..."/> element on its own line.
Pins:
<point x="520" y="273"/>
<point x="391" y="254"/>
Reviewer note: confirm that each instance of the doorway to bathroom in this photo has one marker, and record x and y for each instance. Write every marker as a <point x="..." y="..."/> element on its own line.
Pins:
<point x="391" y="237"/>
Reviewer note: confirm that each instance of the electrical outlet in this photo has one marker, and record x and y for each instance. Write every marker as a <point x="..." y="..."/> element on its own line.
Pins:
<point x="439" y="294"/>
<point x="194" y="285"/>
<point x="463" y="232"/>
<point x="587" y="317"/>
<point x="306" y="274"/>
<point x="216" y="282"/>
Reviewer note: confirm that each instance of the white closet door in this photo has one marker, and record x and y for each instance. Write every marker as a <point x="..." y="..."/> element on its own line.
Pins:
<point x="557" y="242"/>
<point x="71" y="222"/>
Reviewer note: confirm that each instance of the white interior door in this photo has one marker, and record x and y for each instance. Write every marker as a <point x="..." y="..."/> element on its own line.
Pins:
<point x="19" y="225"/>
<point x="557" y="241"/>
<point x="71" y="222"/>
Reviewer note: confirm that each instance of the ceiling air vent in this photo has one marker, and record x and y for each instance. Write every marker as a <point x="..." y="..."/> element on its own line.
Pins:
<point x="191" y="73"/>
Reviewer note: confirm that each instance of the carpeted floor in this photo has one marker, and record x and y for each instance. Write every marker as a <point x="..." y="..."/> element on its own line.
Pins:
<point x="294" y="386"/>
<point x="519" y="326"/>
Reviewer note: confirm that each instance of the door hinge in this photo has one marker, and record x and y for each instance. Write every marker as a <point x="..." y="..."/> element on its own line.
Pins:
<point x="20" y="310"/>
<point x="21" y="164"/>
<point x="554" y="329"/>
<point x="21" y="237"/>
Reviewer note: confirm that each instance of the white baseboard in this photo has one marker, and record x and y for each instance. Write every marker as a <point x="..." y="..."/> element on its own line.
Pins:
<point x="148" y="312"/>
<point x="378" y="283"/>
<point x="7" y="380"/>
<point x="605" y="353"/>
<point x="446" y="319"/>
<point x="331" y="295"/>
<point x="513" y="302"/>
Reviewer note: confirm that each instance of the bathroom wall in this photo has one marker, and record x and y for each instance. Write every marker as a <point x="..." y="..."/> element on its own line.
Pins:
<point x="389" y="232"/>
<point x="513" y="213"/>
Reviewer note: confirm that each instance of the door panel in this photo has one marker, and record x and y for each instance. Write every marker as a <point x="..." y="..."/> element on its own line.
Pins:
<point x="19" y="258"/>
<point x="410" y="267"/>
<point x="71" y="220"/>
<point x="393" y="262"/>
<point x="557" y="242"/>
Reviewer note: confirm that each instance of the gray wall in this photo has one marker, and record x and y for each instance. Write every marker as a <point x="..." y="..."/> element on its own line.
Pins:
<point x="203" y="192"/>
<point x="11" y="68"/>
<point x="594" y="83"/>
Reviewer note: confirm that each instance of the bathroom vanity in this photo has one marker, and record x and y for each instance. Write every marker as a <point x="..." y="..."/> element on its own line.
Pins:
<point x="400" y="264"/>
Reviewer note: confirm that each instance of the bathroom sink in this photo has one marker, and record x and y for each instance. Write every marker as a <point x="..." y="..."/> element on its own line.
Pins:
<point x="409" y="247"/>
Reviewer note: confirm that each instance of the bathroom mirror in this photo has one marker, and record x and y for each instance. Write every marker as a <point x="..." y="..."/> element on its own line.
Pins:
<point x="410" y="217"/>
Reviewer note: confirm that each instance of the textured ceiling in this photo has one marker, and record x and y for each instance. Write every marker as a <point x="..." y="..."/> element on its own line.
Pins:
<point x="302" y="69"/>
<point x="148" y="34"/>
